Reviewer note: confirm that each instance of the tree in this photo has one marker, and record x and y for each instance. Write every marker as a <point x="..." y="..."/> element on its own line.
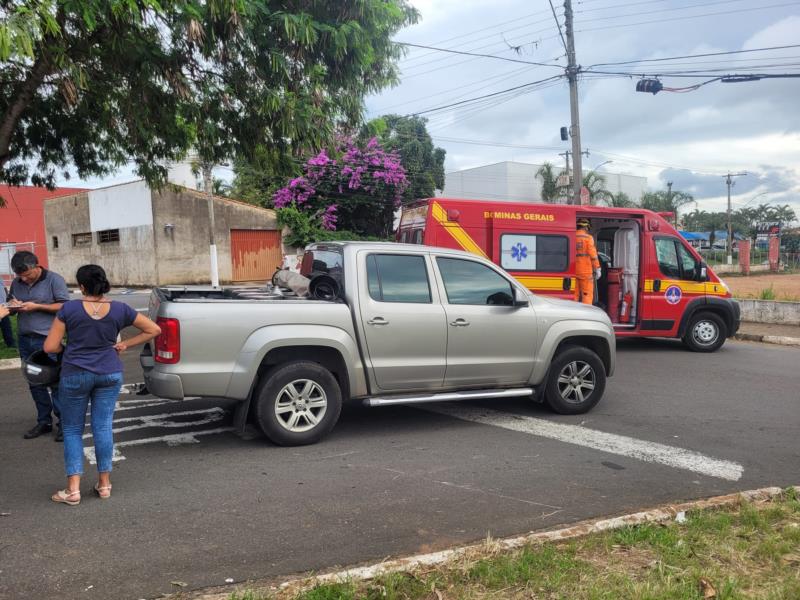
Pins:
<point x="94" y="83"/>
<point x="550" y="188"/>
<point x="620" y="200"/>
<point x="409" y="138"/>
<point x="596" y="184"/>
<point x="354" y="187"/>
<point x="666" y="201"/>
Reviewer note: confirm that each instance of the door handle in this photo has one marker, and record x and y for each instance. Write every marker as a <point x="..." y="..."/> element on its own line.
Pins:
<point x="656" y="285"/>
<point x="459" y="323"/>
<point x="378" y="321"/>
<point x="566" y="284"/>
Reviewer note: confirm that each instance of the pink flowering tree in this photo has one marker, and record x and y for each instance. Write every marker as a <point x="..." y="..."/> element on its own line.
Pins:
<point x="354" y="188"/>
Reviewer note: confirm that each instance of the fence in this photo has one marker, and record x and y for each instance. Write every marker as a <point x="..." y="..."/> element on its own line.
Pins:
<point x="7" y="250"/>
<point x="759" y="259"/>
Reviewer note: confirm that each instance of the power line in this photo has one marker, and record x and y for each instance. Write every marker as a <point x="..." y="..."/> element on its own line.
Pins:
<point x="472" y="40"/>
<point x="707" y="54"/>
<point x="492" y="95"/>
<point x="495" y="26"/>
<point x="663" y="10"/>
<point x="558" y="25"/>
<point x="714" y="14"/>
<point x="514" y="60"/>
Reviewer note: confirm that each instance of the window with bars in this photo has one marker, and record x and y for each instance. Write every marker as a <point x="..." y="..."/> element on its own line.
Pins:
<point x="81" y="239"/>
<point x="107" y="236"/>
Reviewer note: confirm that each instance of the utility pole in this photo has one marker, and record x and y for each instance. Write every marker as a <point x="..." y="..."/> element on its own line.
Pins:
<point x="566" y="154"/>
<point x="208" y="184"/>
<point x="669" y="201"/>
<point x="729" y="245"/>
<point x="575" y="129"/>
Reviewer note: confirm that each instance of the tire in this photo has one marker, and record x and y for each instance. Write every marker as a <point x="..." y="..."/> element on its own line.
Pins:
<point x="575" y="365"/>
<point x="706" y="332"/>
<point x="299" y="417"/>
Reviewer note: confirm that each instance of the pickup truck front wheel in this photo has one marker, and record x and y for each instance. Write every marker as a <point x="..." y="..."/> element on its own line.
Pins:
<point x="298" y="403"/>
<point x="575" y="382"/>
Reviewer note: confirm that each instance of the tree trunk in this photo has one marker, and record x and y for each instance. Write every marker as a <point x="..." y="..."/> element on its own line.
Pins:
<point x="24" y="95"/>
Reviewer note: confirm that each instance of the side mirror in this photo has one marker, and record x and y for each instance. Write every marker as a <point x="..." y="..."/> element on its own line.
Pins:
<point x="519" y="299"/>
<point x="702" y="272"/>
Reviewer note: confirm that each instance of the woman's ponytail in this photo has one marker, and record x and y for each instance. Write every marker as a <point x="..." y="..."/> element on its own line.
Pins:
<point x="92" y="278"/>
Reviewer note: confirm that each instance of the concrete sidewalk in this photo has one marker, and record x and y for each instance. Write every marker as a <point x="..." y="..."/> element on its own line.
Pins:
<point x="769" y="333"/>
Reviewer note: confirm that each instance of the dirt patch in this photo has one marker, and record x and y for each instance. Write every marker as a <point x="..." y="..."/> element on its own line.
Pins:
<point x="785" y="287"/>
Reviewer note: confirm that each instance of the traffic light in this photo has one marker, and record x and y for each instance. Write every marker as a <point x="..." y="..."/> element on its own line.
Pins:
<point x="564" y="134"/>
<point x="652" y="86"/>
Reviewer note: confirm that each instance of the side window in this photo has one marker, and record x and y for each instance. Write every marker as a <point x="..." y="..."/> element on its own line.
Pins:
<point x="667" y="256"/>
<point x="468" y="282"/>
<point x="688" y="262"/>
<point x="398" y="278"/>
<point x="525" y="252"/>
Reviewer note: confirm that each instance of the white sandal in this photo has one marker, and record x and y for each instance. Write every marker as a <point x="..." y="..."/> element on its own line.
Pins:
<point x="103" y="491"/>
<point x="66" y="497"/>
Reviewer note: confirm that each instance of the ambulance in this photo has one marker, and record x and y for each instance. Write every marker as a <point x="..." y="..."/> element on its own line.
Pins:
<point x="653" y="283"/>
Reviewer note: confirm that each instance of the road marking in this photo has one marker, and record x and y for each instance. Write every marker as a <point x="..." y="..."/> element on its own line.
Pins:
<point x="164" y="420"/>
<point x="652" y="452"/>
<point x="210" y="415"/>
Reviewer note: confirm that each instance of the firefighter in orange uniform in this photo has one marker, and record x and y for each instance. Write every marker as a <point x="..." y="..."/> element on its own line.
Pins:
<point x="587" y="267"/>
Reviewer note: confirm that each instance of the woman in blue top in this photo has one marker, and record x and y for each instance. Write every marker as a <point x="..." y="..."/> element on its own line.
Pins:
<point x="91" y="372"/>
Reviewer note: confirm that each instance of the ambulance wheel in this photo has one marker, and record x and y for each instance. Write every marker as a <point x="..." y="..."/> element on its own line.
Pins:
<point x="706" y="332"/>
<point x="575" y="382"/>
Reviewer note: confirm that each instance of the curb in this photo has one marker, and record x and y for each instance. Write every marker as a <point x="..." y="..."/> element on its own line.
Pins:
<point x="9" y="363"/>
<point x="781" y="340"/>
<point x="655" y="515"/>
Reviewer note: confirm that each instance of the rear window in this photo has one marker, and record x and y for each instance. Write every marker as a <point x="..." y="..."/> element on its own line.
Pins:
<point x="321" y="260"/>
<point x="398" y="278"/>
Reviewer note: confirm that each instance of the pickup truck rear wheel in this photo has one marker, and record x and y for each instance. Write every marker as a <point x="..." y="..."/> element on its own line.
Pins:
<point x="298" y="403"/>
<point x="575" y="382"/>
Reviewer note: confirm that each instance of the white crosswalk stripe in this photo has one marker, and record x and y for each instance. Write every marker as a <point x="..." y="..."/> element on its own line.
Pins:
<point x="612" y="443"/>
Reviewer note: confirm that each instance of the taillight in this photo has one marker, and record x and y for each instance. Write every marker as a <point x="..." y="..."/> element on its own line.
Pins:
<point x="168" y="342"/>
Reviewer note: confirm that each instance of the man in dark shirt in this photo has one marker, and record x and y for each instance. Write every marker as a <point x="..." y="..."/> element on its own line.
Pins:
<point x="37" y="295"/>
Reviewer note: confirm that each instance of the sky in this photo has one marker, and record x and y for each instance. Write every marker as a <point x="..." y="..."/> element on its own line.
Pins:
<point x="691" y="139"/>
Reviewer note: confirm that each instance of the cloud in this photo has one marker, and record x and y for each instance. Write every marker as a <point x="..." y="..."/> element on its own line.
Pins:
<point x="769" y="179"/>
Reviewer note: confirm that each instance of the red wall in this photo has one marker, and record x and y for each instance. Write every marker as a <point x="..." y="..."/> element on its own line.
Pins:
<point x="22" y="218"/>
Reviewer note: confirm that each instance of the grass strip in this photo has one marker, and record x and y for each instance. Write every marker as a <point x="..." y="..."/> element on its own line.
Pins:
<point x="749" y="550"/>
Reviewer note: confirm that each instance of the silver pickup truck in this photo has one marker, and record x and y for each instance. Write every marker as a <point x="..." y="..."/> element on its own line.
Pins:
<point x="410" y="324"/>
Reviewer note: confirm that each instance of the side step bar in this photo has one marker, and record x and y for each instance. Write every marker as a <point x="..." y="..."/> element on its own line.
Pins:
<point x="448" y="396"/>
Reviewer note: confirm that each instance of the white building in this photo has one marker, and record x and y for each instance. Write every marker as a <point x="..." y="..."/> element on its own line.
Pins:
<point x="517" y="182"/>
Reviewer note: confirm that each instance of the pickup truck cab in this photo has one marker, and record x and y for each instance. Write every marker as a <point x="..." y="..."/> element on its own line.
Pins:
<point x="410" y="324"/>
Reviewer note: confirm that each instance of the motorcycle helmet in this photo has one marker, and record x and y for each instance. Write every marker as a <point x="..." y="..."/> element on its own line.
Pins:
<point x="40" y="369"/>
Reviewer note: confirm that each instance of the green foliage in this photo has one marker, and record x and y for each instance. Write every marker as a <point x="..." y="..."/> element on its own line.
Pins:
<point x="303" y="227"/>
<point x="409" y="138"/>
<point x="596" y="184"/>
<point x="96" y="83"/>
<point x="306" y="228"/>
<point x="767" y="293"/>
<point x="666" y="201"/>
<point x="620" y="200"/>
<point x="550" y="189"/>
<point x="257" y="178"/>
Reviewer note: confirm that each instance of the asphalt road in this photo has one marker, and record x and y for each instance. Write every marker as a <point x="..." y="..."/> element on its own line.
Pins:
<point x="194" y="503"/>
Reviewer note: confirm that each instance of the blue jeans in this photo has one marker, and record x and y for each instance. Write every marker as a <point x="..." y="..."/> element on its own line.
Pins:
<point x="77" y="391"/>
<point x="45" y="398"/>
<point x="8" y="333"/>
